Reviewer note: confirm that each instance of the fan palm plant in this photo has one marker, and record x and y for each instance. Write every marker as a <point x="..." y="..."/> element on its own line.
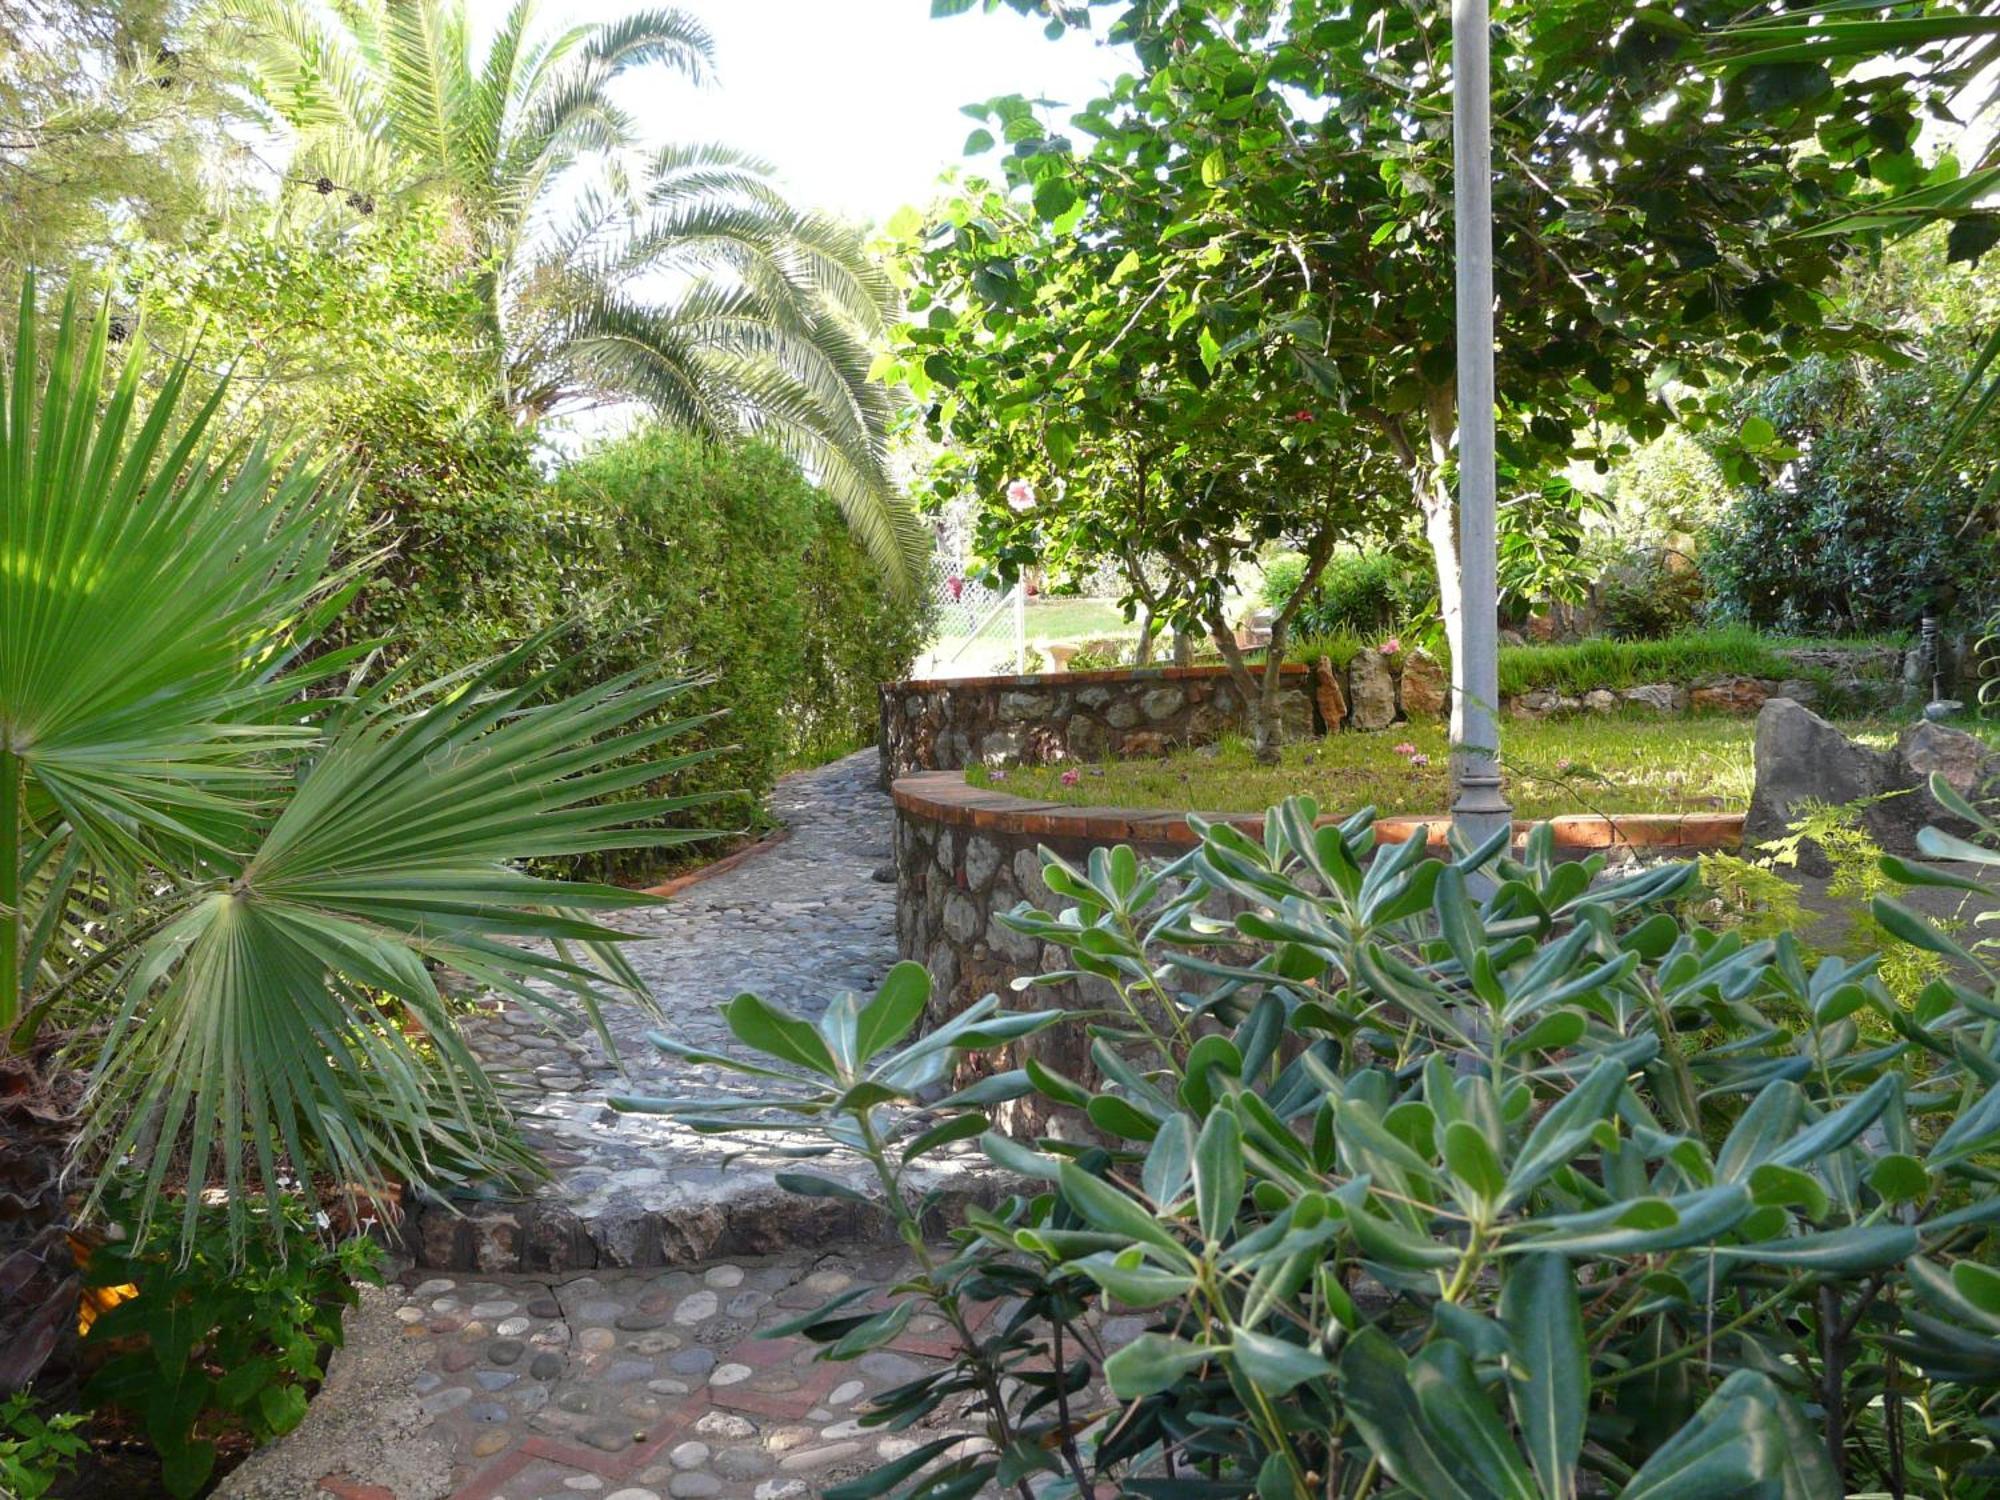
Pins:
<point x="683" y="280"/>
<point x="237" y="879"/>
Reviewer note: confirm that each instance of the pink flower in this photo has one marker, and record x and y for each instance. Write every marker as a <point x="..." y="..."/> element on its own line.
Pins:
<point x="1021" y="495"/>
<point x="1420" y="759"/>
<point x="1302" y="415"/>
<point x="1071" y="778"/>
<point x="1390" y="647"/>
<point x="997" y="775"/>
<point x="1406" y="748"/>
<point x="957" y="586"/>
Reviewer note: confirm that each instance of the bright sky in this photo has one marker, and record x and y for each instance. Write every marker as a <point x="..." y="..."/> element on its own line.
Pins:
<point x="856" y="101"/>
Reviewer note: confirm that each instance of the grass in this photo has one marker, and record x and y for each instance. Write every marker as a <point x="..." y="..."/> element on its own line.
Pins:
<point x="1065" y="619"/>
<point x="1600" y="663"/>
<point x="1607" y="765"/>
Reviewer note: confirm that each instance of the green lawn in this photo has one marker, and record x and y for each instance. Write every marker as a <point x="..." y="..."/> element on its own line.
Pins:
<point x="1611" y="765"/>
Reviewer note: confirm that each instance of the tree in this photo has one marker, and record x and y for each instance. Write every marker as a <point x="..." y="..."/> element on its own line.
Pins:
<point x="233" y="873"/>
<point x="768" y="311"/>
<point x="110" y="128"/>
<point x="1296" y="160"/>
<point x="1091" y="434"/>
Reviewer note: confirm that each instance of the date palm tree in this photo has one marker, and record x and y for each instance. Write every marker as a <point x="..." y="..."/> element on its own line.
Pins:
<point x="238" y="880"/>
<point x="682" y="279"/>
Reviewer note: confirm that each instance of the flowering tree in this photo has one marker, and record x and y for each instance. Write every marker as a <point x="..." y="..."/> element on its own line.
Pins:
<point x="1271" y="189"/>
<point x="1092" y="437"/>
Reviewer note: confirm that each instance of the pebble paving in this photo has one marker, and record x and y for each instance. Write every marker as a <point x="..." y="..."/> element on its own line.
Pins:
<point x="618" y="1383"/>
<point x="797" y="923"/>
<point x="638" y="1386"/>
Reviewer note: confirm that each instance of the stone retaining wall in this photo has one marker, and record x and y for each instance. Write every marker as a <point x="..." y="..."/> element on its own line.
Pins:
<point x="946" y="724"/>
<point x="950" y="723"/>
<point x="964" y="855"/>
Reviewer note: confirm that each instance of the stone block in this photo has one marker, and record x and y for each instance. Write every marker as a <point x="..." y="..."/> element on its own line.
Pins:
<point x="1373" y="687"/>
<point x="1426" y="689"/>
<point x="1329" y="695"/>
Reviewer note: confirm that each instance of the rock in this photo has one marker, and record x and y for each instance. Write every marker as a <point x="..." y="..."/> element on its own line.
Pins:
<point x="1374" y="690"/>
<point x="1944" y="708"/>
<point x="982" y="858"/>
<point x="1661" y="697"/>
<point x="1731" y="695"/>
<point x="1329" y="695"/>
<point x="1018" y="707"/>
<point x="1928" y="749"/>
<point x="1541" y="703"/>
<point x="1799" y="690"/>
<point x="1124" y="714"/>
<point x="1801" y="757"/>
<point x="1087" y="739"/>
<point x="1426" y="689"/>
<point x="1162" y="703"/>
<point x="1144" y="744"/>
<point x="1600" y="701"/>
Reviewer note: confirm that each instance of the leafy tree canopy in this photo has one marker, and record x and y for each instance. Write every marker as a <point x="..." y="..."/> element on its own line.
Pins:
<point x="1273" y="191"/>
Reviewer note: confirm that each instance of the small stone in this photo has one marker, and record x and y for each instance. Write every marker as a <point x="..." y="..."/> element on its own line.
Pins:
<point x="409" y="1315"/>
<point x="640" y="1322"/>
<point x="669" y="1387"/>
<point x="495" y="1380"/>
<point x="723" y="1276"/>
<point x="600" y="1311"/>
<point x="811" y="1459"/>
<point x="505" y="1351"/>
<point x="513" y="1328"/>
<point x="436" y="1286"/>
<point x="609" y="1437"/>
<point x="490" y="1442"/>
<point x="730" y="1374"/>
<point x="633" y="1493"/>
<point x="625" y="1371"/>
<point x="597" y="1340"/>
<point x="544" y="1307"/>
<point x="458" y="1358"/>
<point x="545" y="1366"/>
<point x="486" y="1411"/>
<point x="743" y="1463"/>
<point x="692" y="1362"/>
<point x="696" y="1486"/>
<point x="785" y="1439"/>
<point x="688" y="1455"/>
<point x="697" y="1308"/>
<point x="427" y="1382"/>
<point x="844" y="1393"/>
<point x="780" y="1489"/>
<point x="437" y="1403"/>
<point x="447" y="1305"/>
<point x="494" y="1309"/>
<point x="725" y="1424"/>
<point x="827" y="1283"/>
<point x="891" y="1369"/>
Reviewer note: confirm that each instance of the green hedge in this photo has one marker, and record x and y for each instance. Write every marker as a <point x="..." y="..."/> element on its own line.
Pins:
<point x="716" y="561"/>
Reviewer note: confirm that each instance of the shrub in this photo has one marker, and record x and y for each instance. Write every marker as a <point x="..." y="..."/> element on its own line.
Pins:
<point x="1854" y="532"/>
<point x="1644" y="596"/>
<point x="218" y="1337"/>
<point x="1362" y="593"/>
<point x="1423" y="1193"/>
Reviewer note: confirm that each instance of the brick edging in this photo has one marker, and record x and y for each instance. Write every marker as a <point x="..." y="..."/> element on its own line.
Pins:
<point x="945" y="797"/>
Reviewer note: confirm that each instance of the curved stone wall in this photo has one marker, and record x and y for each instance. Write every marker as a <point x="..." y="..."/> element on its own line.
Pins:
<point x="946" y="724"/>
<point x="965" y="854"/>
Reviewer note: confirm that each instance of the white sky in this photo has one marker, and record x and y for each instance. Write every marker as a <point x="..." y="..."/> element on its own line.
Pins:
<point x="856" y="101"/>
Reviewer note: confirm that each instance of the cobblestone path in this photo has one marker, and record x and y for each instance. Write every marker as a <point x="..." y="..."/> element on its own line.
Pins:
<point x="608" y="1337"/>
<point x="797" y="922"/>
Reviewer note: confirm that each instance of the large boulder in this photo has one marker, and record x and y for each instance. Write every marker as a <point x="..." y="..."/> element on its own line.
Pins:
<point x="1426" y="689"/>
<point x="1800" y="757"/>
<point x="1374" y="690"/>
<point x="1330" y="695"/>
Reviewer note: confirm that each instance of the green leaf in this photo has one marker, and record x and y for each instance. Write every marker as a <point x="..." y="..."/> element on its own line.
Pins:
<point x="884" y="1479"/>
<point x="1274" y="1365"/>
<point x="1384" y="1407"/>
<point x="776" y="1033"/>
<point x="1747" y="1439"/>
<point x="1108" y="1208"/>
<point x="1544" y="1321"/>
<point x="811" y="1185"/>
<point x="1151" y="1363"/>
<point x="944" y="1133"/>
<point x="1218" y="1174"/>
<point x="1788" y="1187"/>
<point x="1899" y="1179"/>
<point x="1169" y="1163"/>
<point x="1007" y="1152"/>
<point x="1465" y="1423"/>
<point x="1565" y="1129"/>
<point x="1472" y="1162"/>
<point x="1861" y="1247"/>
<point x="898" y="1005"/>
<point x="1131" y="1283"/>
<point x="1214" y="167"/>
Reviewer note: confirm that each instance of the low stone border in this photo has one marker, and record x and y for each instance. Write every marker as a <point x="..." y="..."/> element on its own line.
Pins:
<point x="966" y="855"/>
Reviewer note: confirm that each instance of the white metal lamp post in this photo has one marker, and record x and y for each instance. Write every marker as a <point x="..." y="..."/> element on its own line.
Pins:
<point x="1479" y="807"/>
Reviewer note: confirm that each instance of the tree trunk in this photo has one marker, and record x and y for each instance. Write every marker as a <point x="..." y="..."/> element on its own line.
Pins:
<point x="1434" y="497"/>
<point x="1183" y="647"/>
<point x="1143" y="657"/>
<point x="1258" y="690"/>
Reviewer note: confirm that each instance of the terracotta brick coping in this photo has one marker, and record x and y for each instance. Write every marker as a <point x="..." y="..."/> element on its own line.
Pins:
<point x="945" y="797"/>
<point x="1074" y="679"/>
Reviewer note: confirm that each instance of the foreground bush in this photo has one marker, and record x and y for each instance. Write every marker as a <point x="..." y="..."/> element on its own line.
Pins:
<point x="1535" y="1194"/>
<point x="240" y="879"/>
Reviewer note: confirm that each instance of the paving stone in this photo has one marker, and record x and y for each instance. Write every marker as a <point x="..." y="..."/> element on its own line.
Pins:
<point x="609" y="1437"/>
<point x="437" y="1403"/>
<point x="544" y="1307"/>
<point x="723" y="1276"/>
<point x="689" y="1455"/>
<point x="495" y="1380"/>
<point x="505" y="1351"/>
<point x="725" y="1424"/>
<point x="692" y="1361"/>
<point x="696" y="1309"/>
<point x="545" y="1366"/>
<point x="730" y="1374"/>
<point x="743" y="1463"/>
<point x="491" y="1441"/>
<point x="810" y="1460"/>
<point x="695" y="1486"/>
